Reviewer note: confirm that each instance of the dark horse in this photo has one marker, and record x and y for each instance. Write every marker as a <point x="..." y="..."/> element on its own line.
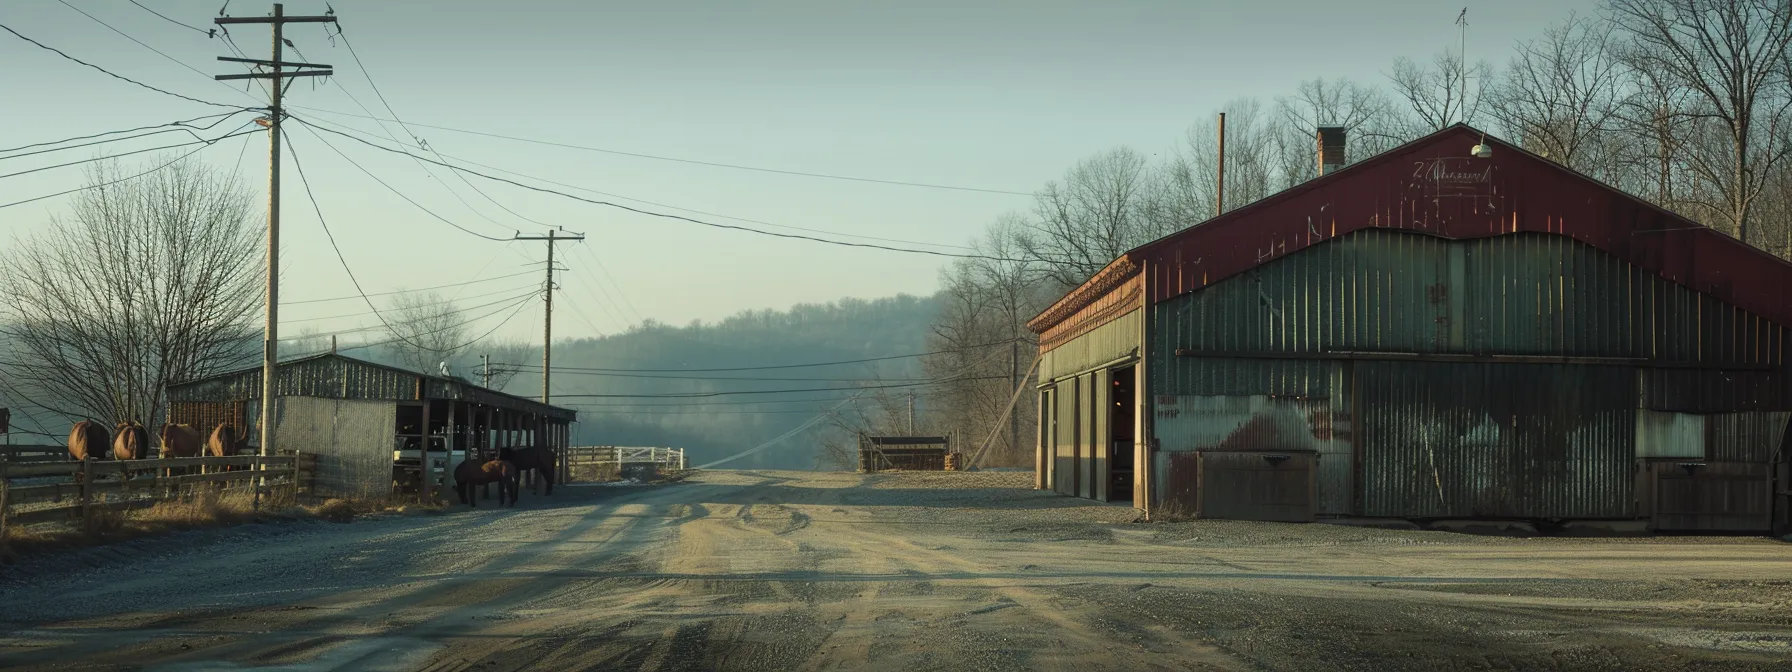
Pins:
<point x="470" y="473"/>
<point x="532" y="458"/>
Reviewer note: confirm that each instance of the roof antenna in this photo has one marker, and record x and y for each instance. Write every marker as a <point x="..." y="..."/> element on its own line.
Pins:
<point x="1462" y="60"/>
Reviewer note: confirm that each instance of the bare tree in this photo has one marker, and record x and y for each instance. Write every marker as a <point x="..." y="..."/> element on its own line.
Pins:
<point x="426" y="330"/>
<point x="1732" y="56"/>
<point x="1190" y="183"/>
<point x="1444" y="92"/>
<point x="1368" y="118"/>
<point x="1104" y="206"/>
<point x="146" y="282"/>
<point x="1560" y="97"/>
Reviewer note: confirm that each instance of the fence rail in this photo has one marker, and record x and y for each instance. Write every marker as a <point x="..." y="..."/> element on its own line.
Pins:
<point x="132" y="484"/>
<point x="624" y="455"/>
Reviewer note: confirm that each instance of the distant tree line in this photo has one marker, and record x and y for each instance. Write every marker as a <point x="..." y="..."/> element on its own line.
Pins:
<point x="1684" y="103"/>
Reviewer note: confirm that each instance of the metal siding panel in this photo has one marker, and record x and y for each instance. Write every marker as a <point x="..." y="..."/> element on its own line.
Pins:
<point x="1064" y="469"/>
<point x="1102" y="437"/>
<point x="1086" y="476"/>
<point x="1669" y="435"/>
<point x="1484" y="440"/>
<point x="352" y="439"/>
<point x="1743" y="437"/>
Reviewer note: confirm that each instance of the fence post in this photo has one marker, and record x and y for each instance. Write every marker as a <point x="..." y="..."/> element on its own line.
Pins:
<point x="5" y="504"/>
<point x="86" y="494"/>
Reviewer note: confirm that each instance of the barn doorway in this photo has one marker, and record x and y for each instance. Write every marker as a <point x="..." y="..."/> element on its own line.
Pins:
<point x="1122" y="406"/>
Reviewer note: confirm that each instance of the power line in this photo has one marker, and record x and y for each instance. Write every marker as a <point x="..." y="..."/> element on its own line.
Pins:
<point x="748" y="220"/>
<point x="158" y="52"/>
<point x="781" y="366"/>
<point x="619" y="206"/>
<point x="592" y="255"/>
<point x="513" y="308"/>
<point x="576" y="311"/>
<point x="345" y="267"/>
<point x="401" y="126"/>
<point x="408" y="291"/>
<point x="115" y="75"/>
<point x="132" y="177"/>
<point x="690" y="161"/>
<point x="201" y="31"/>
<point x="182" y="123"/>
<point x="394" y="190"/>
<point x="695" y="395"/>
<point x="512" y="291"/>
<point x="200" y="141"/>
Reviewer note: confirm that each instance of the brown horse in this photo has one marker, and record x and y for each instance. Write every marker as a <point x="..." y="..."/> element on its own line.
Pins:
<point x="224" y="442"/>
<point x="470" y="473"/>
<point x="131" y="441"/>
<point x="532" y="458"/>
<point x="88" y="440"/>
<point x="181" y="441"/>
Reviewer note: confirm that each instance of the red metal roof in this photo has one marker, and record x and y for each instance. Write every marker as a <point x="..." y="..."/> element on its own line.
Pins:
<point x="1434" y="186"/>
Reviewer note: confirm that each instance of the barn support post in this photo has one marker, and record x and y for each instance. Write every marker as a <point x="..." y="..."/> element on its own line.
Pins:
<point x="425" y="470"/>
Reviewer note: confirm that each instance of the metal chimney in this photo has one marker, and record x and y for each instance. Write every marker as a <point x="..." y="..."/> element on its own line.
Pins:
<point x="1331" y="149"/>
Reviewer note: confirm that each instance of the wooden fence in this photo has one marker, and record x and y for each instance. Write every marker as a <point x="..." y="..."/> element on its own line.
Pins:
<point x="82" y="488"/>
<point x="602" y="463"/>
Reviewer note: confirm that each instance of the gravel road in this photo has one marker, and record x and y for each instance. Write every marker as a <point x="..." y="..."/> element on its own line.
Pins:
<point x="945" y="571"/>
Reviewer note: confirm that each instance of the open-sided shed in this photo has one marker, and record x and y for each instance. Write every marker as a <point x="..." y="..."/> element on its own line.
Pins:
<point x="369" y="423"/>
<point x="1429" y="334"/>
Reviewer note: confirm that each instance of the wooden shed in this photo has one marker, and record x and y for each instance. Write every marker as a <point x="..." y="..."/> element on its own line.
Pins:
<point x="369" y="423"/>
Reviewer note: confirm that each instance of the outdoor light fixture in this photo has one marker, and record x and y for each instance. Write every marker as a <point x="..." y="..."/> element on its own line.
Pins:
<point x="1482" y="151"/>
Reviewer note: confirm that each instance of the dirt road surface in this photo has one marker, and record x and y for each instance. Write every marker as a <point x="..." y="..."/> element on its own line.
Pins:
<point x="946" y="571"/>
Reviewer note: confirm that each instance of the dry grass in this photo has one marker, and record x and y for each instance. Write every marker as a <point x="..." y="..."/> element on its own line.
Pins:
<point x="203" y="509"/>
<point x="594" y="472"/>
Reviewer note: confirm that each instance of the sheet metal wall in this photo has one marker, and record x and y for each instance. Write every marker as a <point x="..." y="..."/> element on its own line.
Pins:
<point x="1106" y="343"/>
<point x="339" y="377"/>
<point x="352" y="441"/>
<point x="1518" y="294"/>
<point x="1505" y="440"/>
<point x="1431" y="186"/>
<point x="1321" y="425"/>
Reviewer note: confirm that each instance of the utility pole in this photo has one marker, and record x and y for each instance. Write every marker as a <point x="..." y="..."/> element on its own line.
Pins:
<point x="911" y="413"/>
<point x="1014" y="377"/>
<point x="485" y="371"/>
<point x="275" y="71"/>
<point x="1219" y="200"/>
<point x="547" y="328"/>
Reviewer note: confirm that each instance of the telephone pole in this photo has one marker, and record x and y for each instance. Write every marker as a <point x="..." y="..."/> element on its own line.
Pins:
<point x="911" y="413"/>
<point x="547" y="323"/>
<point x="275" y="70"/>
<point x="485" y="371"/>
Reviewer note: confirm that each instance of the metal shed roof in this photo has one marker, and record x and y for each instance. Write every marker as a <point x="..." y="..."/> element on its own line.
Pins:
<point x="338" y="376"/>
<point x="1433" y="186"/>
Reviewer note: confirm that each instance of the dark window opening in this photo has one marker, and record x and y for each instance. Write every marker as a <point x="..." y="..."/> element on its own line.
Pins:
<point x="1121" y="413"/>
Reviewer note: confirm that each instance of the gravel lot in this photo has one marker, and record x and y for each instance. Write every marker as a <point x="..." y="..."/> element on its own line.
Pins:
<point x="913" y="571"/>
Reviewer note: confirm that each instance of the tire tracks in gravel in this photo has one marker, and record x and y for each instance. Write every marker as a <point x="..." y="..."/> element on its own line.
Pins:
<point x="413" y="609"/>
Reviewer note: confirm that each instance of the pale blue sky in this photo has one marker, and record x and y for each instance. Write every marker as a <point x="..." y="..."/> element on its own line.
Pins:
<point x="996" y="95"/>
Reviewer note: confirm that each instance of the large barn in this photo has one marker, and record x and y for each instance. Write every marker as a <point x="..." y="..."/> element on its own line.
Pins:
<point x="366" y="421"/>
<point x="1429" y="334"/>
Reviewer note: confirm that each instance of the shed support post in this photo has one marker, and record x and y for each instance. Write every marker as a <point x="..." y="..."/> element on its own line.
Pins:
<point x="425" y="470"/>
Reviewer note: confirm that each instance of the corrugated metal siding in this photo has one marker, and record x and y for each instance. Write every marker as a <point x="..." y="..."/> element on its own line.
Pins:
<point x="1064" y="468"/>
<point x="338" y="377"/>
<point x="1481" y="440"/>
<point x="1519" y="294"/>
<point x="1429" y="186"/>
<point x="1714" y="496"/>
<point x="1261" y="423"/>
<point x="1256" y="486"/>
<point x="1108" y="342"/>
<point x="352" y="439"/>
<point x="1670" y="435"/>
<point x="1743" y="437"/>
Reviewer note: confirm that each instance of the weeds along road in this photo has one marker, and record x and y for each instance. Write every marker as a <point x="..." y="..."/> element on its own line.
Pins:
<point x="946" y="571"/>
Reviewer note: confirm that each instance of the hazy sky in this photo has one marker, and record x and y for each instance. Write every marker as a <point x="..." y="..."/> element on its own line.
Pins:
<point x="992" y="95"/>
